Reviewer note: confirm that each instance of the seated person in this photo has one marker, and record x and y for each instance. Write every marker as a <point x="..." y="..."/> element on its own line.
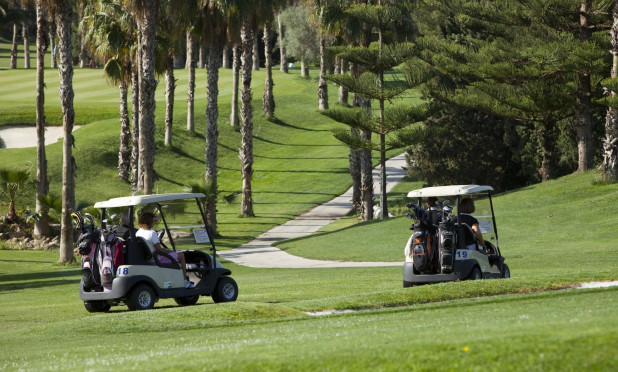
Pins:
<point x="465" y="208"/>
<point x="145" y="231"/>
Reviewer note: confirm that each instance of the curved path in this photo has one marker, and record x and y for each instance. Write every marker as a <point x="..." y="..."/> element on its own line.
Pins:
<point x="260" y="253"/>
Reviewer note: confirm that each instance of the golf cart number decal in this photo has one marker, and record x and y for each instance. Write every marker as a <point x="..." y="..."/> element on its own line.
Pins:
<point x="123" y="271"/>
<point x="462" y="254"/>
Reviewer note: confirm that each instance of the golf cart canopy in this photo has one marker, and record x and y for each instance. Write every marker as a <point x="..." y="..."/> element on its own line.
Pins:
<point x="128" y="201"/>
<point x="448" y="191"/>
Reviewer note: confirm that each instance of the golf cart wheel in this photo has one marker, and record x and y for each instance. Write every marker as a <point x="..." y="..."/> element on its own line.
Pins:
<point x="187" y="300"/>
<point x="226" y="290"/>
<point x="506" y="272"/>
<point x="141" y="298"/>
<point x="407" y="284"/>
<point x="475" y="274"/>
<point x="97" y="306"/>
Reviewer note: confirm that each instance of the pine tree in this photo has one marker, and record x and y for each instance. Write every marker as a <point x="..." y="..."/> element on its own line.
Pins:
<point x="376" y="60"/>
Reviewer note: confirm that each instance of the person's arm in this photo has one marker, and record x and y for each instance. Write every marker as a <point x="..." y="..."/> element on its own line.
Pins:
<point x="479" y="235"/>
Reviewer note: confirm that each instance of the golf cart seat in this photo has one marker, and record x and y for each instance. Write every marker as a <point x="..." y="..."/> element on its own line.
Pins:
<point x="143" y="252"/>
<point x="466" y="234"/>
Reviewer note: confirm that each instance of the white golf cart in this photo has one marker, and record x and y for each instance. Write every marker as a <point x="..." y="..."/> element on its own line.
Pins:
<point x="437" y="250"/>
<point x="118" y="267"/>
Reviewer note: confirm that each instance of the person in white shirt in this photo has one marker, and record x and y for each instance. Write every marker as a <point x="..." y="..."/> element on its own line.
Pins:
<point x="145" y="223"/>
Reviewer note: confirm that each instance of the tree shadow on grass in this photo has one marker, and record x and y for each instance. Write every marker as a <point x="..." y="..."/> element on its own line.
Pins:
<point x="288" y="125"/>
<point x="11" y="282"/>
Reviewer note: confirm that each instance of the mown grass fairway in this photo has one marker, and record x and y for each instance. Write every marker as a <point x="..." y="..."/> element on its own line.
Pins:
<point x="553" y="235"/>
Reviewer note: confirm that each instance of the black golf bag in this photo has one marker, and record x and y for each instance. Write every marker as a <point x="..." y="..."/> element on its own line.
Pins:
<point x="88" y="245"/>
<point x="424" y="244"/>
<point x="447" y="243"/>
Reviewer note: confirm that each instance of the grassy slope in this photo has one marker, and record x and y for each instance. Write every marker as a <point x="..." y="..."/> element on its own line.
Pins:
<point x="298" y="163"/>
<point x="565" y="224"/>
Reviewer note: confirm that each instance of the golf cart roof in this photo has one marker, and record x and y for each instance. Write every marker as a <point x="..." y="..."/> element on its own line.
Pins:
<point x="448" y="191"/>
<point x="127" y="201"/>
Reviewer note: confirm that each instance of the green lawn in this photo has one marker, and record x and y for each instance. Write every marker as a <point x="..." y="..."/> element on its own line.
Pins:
<point x="46" y="327"/>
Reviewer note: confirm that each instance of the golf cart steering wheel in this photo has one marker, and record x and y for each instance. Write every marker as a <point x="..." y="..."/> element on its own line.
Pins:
<point x="161" y="234"/>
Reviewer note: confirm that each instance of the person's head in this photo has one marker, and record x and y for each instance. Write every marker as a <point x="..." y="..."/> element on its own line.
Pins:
<point x="466" y="205"/>
<point x="146" y="220"/>
<point x="431" y="201"/>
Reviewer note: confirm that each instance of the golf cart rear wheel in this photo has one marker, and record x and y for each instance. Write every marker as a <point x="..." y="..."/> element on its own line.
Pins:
<point x="506" y="272"/>
<point x="187" y="300"/>
<point x="97" y="306"/>
<point x="226" y="290"/>
<point x="475" y="274"/>
<point x="141" y="298"/>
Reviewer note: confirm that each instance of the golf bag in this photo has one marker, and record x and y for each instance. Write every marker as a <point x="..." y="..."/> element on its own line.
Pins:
<point x="446" y="246"/>
<point x="105" y="260"/>
<point x="423" y="240"/>
<point x="88" y="244"/>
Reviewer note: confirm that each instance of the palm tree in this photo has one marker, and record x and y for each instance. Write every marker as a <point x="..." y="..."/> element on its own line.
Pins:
<point x="236" y="51"/>
<point x="146" y="13"/>
<point x="215" y="16"/>
<point x="41" y="224"/>
<point x="13" y="183"/>
<point x="283" y="63"/>
<point x="247" y="34"/>
<point x="268" y="99"/>
<point x="609" y="166"/>
<point x="64" y="19"/>
<point x="191" y="46"/>
<point x="109" y="30"/>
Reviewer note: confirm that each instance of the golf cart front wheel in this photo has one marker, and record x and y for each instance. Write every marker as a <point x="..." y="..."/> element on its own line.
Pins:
<point x="407" y="284"/>
<point x="141" y="298"/>
<point x="475" y="274"/>
<point x="97" y="306"/>
<point x="506" y="272"/>
<point x="226" y="290"/>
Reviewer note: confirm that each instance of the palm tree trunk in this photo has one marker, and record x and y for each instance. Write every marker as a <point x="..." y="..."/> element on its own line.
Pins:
<point x="355" y="173"/>
<point x="135" y="128"/>
<point x="124" y="152"/>
<point x="610" y="143"/>
<point x="343" y="92"/>
<point x="236" y="51"/>
<point x="170" y="88"/>
<point x="83" y="49"/>
<point x="225" y="60"/>
<point x="583" y="98"/>
<point x="322" y="84"/>
<point x="212" y="130"/>
<point x="256" y="54"/>
<point x="246" y="112"/>
<point x="24" y="28"/>
<point x="14" y="48"/>
<point x="304" y="71"/>
<point x="191" y="85"/>
<point x="268" y="100"/>
<point x="147" y="22"/>
<point x="366" y="180"/>
<point x="41" y="224"/>
<point x="52" y="44"/>
<point x="283" y="65"/>
<point x="64" y="19"/>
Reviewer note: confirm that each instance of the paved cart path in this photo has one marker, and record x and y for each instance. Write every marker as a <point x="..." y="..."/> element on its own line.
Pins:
<point x="260" y="252"/>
